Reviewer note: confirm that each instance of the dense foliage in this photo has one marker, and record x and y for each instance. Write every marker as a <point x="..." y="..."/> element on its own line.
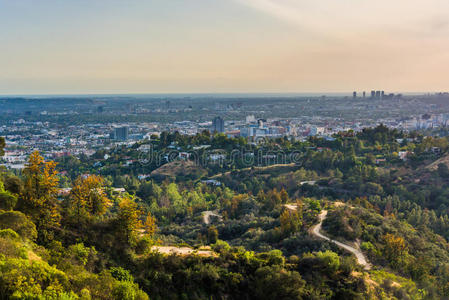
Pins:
<point x="93" y="227"/>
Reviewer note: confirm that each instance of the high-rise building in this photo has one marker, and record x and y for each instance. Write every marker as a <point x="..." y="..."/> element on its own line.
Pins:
<point x="373" y="94"/>
<point x="250" y="119"/>
<point x="377" y="94"/>
<point x="121" y="133"/>
<point x="364" y="95"/>
<point x="217" y="125"/>
<point x="354" y="95"/>
<point x="382" y="95"/>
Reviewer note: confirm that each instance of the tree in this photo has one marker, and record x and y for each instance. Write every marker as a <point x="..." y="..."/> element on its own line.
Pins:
<point x="212" y="235"/>
<point x="284" y="196"/>
<point x="7" y="200"/>
<point x="39" y="196"/>
<point x="273" y="198"/>
<point x="2" y="146"/>
<point x="443" y="170"/>
<point x="88" y="198"/>
<point x="290" y="221"/>
<point x="395" y="249"/>
<point x="149" y="225"/>
<point x="275" y="282"/>
<point x="128" y="219"/>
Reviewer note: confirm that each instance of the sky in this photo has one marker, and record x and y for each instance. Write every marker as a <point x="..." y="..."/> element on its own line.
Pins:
<point x="223" y="46"/>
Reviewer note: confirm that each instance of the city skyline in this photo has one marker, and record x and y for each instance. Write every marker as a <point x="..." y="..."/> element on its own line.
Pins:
<point x="235" y="46"/>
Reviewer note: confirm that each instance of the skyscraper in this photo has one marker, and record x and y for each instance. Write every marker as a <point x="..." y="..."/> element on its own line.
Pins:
<point x="217" y="125"/>
<point x="122" y="133"/>
<point x="364" y="95"/>
<point x="354" y="95"/>
<point x="373" y="94"/>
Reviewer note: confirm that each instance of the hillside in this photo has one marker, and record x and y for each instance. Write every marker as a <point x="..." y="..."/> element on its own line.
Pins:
<point x="434" y="165"/>
<point x="253" y="234"/>
<point x="179" y="168"/>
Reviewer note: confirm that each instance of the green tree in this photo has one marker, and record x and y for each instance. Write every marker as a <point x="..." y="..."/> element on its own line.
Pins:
<point x="7" y="200"/>
<point x="275" y="282"/>
<point x="443" y="170"/>
<point x="212" y="235"/>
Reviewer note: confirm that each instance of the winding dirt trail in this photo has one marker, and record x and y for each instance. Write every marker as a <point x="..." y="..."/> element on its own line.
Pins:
<point x="359" y="255"/>
<point x="207" y="214"/>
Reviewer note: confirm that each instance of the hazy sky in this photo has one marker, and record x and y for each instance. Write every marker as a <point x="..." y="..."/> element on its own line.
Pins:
<point x="154" y="46"/>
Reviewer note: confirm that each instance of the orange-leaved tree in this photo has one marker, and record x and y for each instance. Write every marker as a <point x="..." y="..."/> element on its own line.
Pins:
<point x="88" y="198"/>
<point x="149" y="225"/>
<point x="39" y="196"/>
<point x="395" y="249"/>
<point x="129" y="220"/>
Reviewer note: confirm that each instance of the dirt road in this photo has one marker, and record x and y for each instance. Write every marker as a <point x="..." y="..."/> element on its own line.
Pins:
<point x="207" y="214"/>
<point x="359" y="255"/>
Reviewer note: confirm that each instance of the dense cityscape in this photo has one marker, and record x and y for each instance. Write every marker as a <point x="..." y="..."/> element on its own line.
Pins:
<point x="37" y="124"/>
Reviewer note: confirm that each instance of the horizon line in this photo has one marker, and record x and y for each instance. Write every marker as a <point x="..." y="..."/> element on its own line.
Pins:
<point x="316" y="94"/>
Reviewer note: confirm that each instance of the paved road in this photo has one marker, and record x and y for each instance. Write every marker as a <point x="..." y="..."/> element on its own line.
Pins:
<point x="360" y="257"/>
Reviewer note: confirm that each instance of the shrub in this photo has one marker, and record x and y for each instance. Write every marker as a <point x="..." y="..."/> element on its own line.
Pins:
<point x="18" y="222"/>
<point x="81" y="254"/>
<point x="221" y="246"/>
<point x="7" y="201"/>
<point x="22" y="279"/>
<point x="126" y="290"/>
<point x="121" y="274"/>
<point x="9" y="233"/>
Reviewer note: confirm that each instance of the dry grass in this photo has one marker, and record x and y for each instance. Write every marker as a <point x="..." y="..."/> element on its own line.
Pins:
<point x="184" y="251"/>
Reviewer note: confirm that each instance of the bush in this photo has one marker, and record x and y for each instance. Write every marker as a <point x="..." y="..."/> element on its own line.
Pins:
<point x="9" y="233"/>
<point x="18" y="222"/>
<point x="221" y="246"/>
<point x="13" y="184"/>
<point x="275" y="257"/>
<point x="24" y="279"/>
<point x="277" y="283"/>
<point x="126" y="290"/>
<point x="7" y="201"/>
<point x="81" y="254"/>
<point x="121" y="274"/>
<point x="143" y="245"/>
